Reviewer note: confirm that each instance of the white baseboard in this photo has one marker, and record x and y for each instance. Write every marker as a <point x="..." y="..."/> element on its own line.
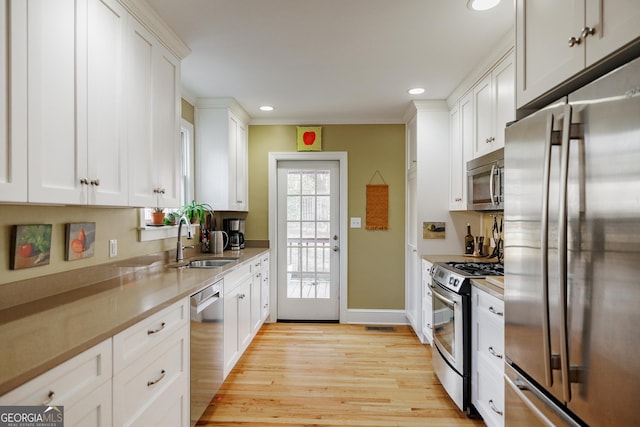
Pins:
<point x="379" y="317"/>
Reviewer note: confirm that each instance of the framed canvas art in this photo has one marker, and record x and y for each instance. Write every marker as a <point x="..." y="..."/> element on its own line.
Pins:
<point x="80" y="239"/>
<point x="30" y="246"/>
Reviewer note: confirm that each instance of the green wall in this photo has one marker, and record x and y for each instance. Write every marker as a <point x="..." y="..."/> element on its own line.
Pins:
<point x="376" y="258"/>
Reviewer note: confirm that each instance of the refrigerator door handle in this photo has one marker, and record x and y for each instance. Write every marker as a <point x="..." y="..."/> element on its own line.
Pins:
<point x="562" y="253"/>
<point x="544" y="246"/>
<point x="491" y="184"/>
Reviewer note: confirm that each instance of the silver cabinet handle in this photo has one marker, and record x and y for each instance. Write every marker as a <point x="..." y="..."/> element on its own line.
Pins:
<point x="587" y="31"/>
<point x="49" y="398"/>
<point x="494" y="353"/>
<point x="156" y="381"/>
<point x="84" y="181"/>
<point x="497" y="313"/>
<point x="491" y="185"/>
<point x="574" y="41"/>
<point x="493" y="407"/>
<point x="241" y="296"/>
<point x="95" y="182"/>
<point x="155" y="331"/>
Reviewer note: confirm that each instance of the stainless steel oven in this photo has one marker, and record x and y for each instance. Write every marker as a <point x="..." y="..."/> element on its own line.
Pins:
<point x="451" y="352"/>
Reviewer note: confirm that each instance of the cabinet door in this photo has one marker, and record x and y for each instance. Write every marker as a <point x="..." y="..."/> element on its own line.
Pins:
<point x="244" y="314"/>
<point x="256" y="301"/>
<point x="484" y="122"/>
<point x="504" y="98"/>
<point x="231" y="345"/>
<point x="455" y="159"/>
<point x="166" y="125"/>
<point x="106" y="131"/>
<point x="241" y="202"/>
<point x="544" y="58"/>
<point x="142" y="167"/>
<point x="13" y="106"/>
<point x="615" y="23"/>
<point x="56" y="79"/>
<point x="92" y="410"/>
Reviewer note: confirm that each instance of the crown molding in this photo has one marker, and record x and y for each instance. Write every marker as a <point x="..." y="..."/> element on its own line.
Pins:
<point x="150" y="19"/>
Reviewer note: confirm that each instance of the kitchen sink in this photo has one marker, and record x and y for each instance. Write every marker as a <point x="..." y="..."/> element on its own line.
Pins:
<point x="209" y="263"/>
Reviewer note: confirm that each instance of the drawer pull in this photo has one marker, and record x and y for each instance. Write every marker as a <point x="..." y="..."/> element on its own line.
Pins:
<point x="154" y="382"/>
<point x="49" y="398"/>
<point x="493" y="352"/>
<point x="497" y="313"/>
<point x="155" y="331"/>
<point x="493" y="407"/>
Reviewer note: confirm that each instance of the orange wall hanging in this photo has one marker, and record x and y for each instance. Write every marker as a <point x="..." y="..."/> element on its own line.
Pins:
<point x="377" y="205"/>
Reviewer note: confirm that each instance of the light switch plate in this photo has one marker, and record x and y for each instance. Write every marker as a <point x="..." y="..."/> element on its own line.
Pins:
<point x="113" y="248"/>
<point x="356" y="222"/>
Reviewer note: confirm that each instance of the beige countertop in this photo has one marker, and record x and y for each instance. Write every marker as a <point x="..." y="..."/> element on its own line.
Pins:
<point x="39" y="335"/>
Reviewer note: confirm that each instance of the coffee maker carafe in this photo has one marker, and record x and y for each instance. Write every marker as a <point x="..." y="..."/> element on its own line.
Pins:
<point x="234" y="229"/>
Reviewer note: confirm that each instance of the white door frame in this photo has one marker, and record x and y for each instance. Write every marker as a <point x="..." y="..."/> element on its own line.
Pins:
<point x="274" y="158"/>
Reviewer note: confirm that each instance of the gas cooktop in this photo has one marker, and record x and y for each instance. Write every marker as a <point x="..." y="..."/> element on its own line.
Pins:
<point x="477" y="269"/>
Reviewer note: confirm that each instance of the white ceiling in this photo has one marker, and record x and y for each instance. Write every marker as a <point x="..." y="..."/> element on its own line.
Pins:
<point x="331" y="61"/>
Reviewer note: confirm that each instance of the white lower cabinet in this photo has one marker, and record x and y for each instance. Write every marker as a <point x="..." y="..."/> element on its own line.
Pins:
<point x="427" y="302"/>
<point x="82" y="385"/>
<point x="237" y="314"/>
<point x="152" y="386"/>
<point x="245" y="307"/>
<point x="266" y="289"/>
<point x="487" y="393"/>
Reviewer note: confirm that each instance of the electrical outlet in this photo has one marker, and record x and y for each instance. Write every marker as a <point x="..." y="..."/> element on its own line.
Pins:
<point x="113" y="248"/>
<point x="356" y="222"/>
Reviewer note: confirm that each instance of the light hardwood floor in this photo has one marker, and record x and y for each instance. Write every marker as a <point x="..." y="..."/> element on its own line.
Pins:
<point x="296" y="374"/>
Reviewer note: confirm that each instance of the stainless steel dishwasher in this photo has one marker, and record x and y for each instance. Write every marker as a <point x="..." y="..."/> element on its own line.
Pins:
<point x="207" y="353"/>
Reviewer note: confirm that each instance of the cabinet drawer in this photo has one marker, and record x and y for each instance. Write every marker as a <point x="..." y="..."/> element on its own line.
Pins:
<point x="137" y="340"/>
<point x="490" y="401"/>
<point x="490" y="305"/>
<point x="147" y="379"/>
<point x="234" y="278"/>
<point x="491" y="341"/>
<point x="68" y="382"/>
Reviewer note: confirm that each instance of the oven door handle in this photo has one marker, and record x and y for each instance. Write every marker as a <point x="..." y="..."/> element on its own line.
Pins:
<point x="443" y="299"/>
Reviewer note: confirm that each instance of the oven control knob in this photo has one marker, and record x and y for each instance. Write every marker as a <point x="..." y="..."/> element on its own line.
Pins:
<point x="450" y="280"/>
<point x="456" y="282"/>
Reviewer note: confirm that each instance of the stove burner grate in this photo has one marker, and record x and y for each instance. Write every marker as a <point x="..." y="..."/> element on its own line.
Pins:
<point x="479" y="268"/>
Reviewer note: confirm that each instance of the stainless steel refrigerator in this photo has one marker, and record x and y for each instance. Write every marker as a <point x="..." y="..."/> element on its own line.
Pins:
<point x="572" y="258"/>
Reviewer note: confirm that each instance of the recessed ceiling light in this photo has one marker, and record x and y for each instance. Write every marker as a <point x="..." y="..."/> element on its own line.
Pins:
<point x="416" y="91"/>
<point x="266" y="108"/>
<point x="482" y="4"/>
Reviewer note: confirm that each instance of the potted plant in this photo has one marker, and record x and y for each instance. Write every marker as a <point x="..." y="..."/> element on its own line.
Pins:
<point x="157" y="216"/>
<point x="171" y="218"/>
<point x="196" y="211"/>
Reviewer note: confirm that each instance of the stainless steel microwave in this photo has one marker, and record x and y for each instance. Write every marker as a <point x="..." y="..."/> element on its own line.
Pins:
<point x="485" y="182"/>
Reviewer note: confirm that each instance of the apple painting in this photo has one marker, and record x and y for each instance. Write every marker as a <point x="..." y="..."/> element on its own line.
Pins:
<point x="309" y="138"/>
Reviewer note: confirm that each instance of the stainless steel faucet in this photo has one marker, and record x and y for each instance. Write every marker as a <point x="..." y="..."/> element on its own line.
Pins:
<point x="180" y="248"/>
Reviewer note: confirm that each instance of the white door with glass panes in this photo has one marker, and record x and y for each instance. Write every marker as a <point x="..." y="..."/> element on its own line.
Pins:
<point x="308" y="240"/>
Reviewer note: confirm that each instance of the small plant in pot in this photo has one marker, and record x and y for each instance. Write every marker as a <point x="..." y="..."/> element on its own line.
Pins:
<point x="157" y="216"/>
<point x="171" y="218"/>
<point x="195" y="212"/>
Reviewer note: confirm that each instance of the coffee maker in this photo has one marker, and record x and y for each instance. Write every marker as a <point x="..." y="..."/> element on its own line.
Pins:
<point x="235" y="230"/>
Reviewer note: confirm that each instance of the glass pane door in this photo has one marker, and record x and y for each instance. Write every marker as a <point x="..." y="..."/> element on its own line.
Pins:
<point x="308" y="195"/>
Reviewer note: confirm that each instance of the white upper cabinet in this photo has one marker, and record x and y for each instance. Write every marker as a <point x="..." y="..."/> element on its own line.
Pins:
<point x="494" y="99"/>
<point x="13" y="105"/>
<point x="556" y="40"/>
<point x="221" y="154"/>
<point x="75" y="71"/>
<point x="461" y="140"/>
<point x="106" y="107"/>
<point x="154" y="128"/>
